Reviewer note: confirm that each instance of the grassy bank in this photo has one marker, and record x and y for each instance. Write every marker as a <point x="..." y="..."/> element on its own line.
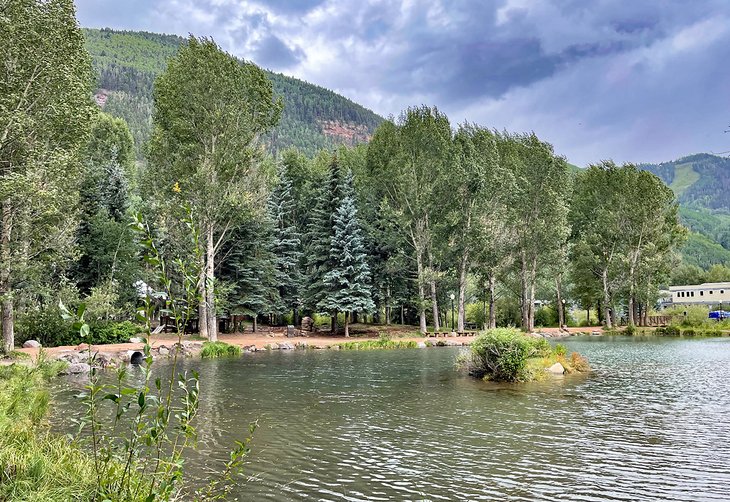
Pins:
<point x="36" y="465"/>
<point x="384" y="342"/>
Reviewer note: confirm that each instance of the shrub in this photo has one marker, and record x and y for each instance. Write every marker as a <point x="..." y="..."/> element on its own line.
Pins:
<point x="219" y="349"/>
<point x="630" y="330"/>
<point x="688" y="332"/>
<point x="47" y="327"/>
<point x="502" y="354"/>
<point x="672" y="331"/>
<point x="560" y="349"/>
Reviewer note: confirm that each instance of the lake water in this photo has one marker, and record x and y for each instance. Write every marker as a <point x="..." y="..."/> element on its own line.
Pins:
<point x="651" y="422"/>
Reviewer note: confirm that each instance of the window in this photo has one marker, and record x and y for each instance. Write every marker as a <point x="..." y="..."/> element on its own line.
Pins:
<point x="702" y="293"/>
<point x="722" y="291"/>
<point x="710" y="291"/>
<point x="692" y="294"/>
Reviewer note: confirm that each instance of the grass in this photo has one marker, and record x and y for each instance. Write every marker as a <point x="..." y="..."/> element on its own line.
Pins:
<point x="36" y="465"/>
<point x="219" y="349"/>
<point x="684" y="177"/>
<point x="384" y="342"/>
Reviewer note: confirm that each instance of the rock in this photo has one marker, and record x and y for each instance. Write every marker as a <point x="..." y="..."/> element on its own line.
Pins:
<point x="422" y="345"/>
<point x="272" y="346"/>
<point x="307" y="324"/>
<point x="302" y="345"/>
<point x="595" y="333"/>
<point x="76" y="369"/>
<point x="286" y="346"/>
<point x="31" y="344"/>
<point x="136" y="339"/>
<point x="249" y="348"/>
<point x="556" y="369"/>
<point x="163" y="351"/>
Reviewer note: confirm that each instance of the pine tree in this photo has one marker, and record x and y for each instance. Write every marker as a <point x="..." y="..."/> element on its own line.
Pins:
<point x="348" y="282"/>
<point x="286" y="245"/>
<point x="319" y="237"/>
<point x="250" y="268"/>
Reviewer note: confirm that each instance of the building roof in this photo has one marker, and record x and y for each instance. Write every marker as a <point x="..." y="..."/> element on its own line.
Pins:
<point x="705" y="285"/>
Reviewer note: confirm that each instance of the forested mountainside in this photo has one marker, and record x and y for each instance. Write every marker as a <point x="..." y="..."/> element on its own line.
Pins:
<point x="701" y="183"/>
<point x="128" y="62"/>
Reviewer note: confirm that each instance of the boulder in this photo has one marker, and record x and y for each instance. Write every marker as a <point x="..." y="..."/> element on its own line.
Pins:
<point x="286" y="346"/>
<point x="422" y="345"/>
<point x="163" y="351"/>
<point x="249" y="348"/>
<point x="595" y="333"/>
<point x="307" y="324"/>
<point x="28" y="344"/>
<point x="273" y="346"/>
<point x="76" y="369"/>
<point x="136" y="339"/>
<point x="556" y="369"/>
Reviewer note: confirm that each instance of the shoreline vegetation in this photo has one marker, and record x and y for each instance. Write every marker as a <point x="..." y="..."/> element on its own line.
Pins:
<point x="508" y="355"/>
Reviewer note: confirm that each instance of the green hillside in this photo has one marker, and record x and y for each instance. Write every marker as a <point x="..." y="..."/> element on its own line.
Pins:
<point x="700" y="181"/>
<point x="127" y="63"/>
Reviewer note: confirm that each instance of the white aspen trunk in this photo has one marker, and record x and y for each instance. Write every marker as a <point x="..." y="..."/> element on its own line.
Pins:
<point x="202" y="306"/>
<point x="561" y="309"/>
<point x="492" y="309"/>
<point x="525" y="296"/>
<point x="347" y="325"/>
<point x="209" y="290"/>
<point x="421" y="294"/>
<point x="8" y="319"/>
<point x="607" y="315"/>
<point x="434" y="297"/>
<point x="463" y="269"/>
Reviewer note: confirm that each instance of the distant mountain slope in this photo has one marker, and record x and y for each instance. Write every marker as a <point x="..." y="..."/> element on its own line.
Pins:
<point x="127" y="63"/>
<point x="699" y="181"/>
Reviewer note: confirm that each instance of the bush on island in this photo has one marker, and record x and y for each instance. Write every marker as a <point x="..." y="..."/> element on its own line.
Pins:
<point x="506" y="354"/>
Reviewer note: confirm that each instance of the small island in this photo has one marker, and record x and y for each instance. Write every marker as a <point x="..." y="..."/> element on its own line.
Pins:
<point x="508" y="355"/>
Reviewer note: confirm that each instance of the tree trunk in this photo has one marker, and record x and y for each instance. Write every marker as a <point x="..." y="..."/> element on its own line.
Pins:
<point x="561" y="310"/>
<point x="607" y="316"/>
<point x="421" y="294"/>
<point x="209" y="289"/>
<point x="533" y="284"/>
<point x="347" y="325"/>
<point x="403" y="316"/>
<point x="387" y="305"/>
<point x="255" y="322"/>
<point x="463" y="269"/>
<point x="333" y="323"/>
<point x="5" y="279"/>
<point x="524" y="295"/>
<point x="492" y="309"/>
<point x="202" y="306"/>
<point x="354" y="317"/>
<point x="434" y="297"/>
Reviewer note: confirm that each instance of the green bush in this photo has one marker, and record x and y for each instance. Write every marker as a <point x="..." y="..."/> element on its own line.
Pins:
<point x="219" y="349"/>
<point x="50" y="330"/>
<point x="502" y="354"/>
<point x="688" y="332"/>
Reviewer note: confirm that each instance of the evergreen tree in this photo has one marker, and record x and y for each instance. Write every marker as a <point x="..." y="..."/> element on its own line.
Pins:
<point x="250" y="270"/>
<point x="319" y="237"/>
<point x="286" y="245"/>
<point x="348" y="282"/>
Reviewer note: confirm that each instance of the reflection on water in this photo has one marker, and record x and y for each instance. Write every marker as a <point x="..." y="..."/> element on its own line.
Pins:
<point x="650" y="423"/>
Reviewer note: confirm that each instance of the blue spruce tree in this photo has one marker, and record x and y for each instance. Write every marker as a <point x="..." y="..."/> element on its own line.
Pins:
<point x="347" y="283"/>
<point x="286" y="246"/>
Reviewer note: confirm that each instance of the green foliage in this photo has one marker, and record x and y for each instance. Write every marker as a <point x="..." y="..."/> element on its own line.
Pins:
<point x="213" y="350"/>
<point x="502" y="354"/>
<point x="383" y="342"/>
<point x="703" y="252"/>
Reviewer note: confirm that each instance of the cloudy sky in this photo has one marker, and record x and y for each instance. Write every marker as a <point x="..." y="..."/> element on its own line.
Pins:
<point x="627" y="80"/>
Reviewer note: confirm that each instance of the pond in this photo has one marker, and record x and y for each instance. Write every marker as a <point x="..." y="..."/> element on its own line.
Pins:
<point x="650" y="423"/>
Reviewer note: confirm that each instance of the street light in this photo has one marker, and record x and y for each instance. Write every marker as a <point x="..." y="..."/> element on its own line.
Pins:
<point x="452" y="311"/>
<point x="565" y="319"/>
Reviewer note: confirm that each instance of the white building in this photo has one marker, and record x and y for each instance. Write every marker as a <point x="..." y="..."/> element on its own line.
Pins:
<point x="709" y="293"/>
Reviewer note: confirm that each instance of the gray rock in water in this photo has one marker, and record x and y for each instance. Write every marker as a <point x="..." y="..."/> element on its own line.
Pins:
<point x="595" y="333"/>
<point x="31" y="344"/>
<point x="556" y="369"/>
<point x="422" y="345"/>
<point x="286" y="346"/>
<point x="76" y="369"/>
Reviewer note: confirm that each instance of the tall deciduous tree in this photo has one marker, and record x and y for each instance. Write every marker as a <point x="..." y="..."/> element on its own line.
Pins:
<point x="210" y="110"/>
<point x="407" y="158"/>
<point x="348" y="282"/>
<point x="539" y="209"/>
<point x="45" y="111"/>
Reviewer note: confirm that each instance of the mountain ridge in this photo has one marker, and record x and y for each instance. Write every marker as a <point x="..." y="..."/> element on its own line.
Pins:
<point x="127" y="63"/>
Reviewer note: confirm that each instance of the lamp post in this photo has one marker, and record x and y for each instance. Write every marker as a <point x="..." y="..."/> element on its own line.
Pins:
<point x="452" y="310"/>
<point x="565" y="319"/>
